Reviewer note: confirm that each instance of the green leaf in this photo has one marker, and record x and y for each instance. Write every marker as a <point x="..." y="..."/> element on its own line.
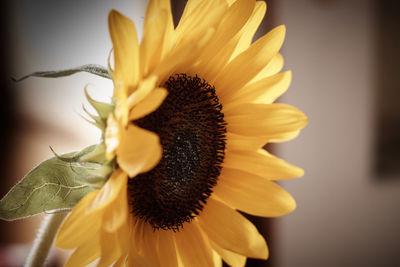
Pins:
<point x="55" y="184"/>
<point x="91" y="68"/>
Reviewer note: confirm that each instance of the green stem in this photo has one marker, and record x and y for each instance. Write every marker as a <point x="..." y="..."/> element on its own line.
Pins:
<point x="44" y="240"/>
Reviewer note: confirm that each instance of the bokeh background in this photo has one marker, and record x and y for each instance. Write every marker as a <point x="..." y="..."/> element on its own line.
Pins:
<point x="344" y="56"/>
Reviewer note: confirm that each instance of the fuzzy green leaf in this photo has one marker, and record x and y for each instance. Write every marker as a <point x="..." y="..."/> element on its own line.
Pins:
<point x="55" y="184"/>
<point x="91" y="68"/>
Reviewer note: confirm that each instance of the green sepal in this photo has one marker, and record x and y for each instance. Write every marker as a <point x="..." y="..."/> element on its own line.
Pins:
<point x="97" y="120"/>
<point x="55" y="184"/>
<point x="103" y="109"/>
<point x="90" y="68"/>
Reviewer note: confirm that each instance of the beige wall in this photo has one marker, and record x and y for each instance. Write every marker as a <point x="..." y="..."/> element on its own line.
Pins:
<point x="345" y="215"/>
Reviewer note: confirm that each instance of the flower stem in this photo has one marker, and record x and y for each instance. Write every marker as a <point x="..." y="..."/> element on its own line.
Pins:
<point x="44" y="239"/>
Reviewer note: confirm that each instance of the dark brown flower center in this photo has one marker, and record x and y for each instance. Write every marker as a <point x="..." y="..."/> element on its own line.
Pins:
<point x="192" y="131"/>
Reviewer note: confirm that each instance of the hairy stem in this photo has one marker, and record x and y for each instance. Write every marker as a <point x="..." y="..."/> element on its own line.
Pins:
<point x="44" y="239"/>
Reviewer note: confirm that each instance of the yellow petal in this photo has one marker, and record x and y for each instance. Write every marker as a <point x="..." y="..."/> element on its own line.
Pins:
<point x="149" y="104"/>
<point x="273" y="67"/>
<point x="219" y="49"/>
<point x="231" y="258"/>
<point x="152" y="10"/>
<point x="192" y="248"/>
<point x="249" y="63"/>
<point x="109" y="193"/>
<point x="121" y="106"/>
<point x="155" y="28"/>
<point x="144" y="89"/>
<point x="174" y="59"/>
<point x="240" y="142"/>
<point x="85" y="253"/>
<point x="272" y="121"/>
<point x="123" y="235"/>
<point x="110" y="249"/>
<point x="121" y="261"/>
<point x="126" y="49"/>
<point x="261" y="163"/>
<point x="232" y="231"/>
<point x="134" y="259"/>
<point x="79" y="227"/>
<point x="146" y="242"/>
<point x="115" y="214"/>
<point x="189" y="7"/>
<point x="253" y="194"/>
<point x="231" y="23"/>
<point x="230" y="2"/>
<point x="248" y="31"/>
<point x="111" y="136"/>
<point x="139" y="150"/>
<point x="217" y="259"/>
<point x="197" y="18"/>
<point x="264" y="91"/>
<point x="194" y="57"/>
<point x="210" y="69"/>
<point x="166" y="249"/>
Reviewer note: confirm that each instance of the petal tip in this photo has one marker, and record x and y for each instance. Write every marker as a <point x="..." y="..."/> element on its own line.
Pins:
<point x="113" y="14"/>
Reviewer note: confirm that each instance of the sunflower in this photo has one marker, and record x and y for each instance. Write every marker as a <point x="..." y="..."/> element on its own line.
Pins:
<point x="193" y="109"/>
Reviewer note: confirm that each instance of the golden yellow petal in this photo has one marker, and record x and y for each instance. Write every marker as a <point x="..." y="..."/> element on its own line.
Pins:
<point x="273" y="67"/>
<point x="253" y="194"/>
<point x="155" y="28"/>
<point x="85" y="253"/>
<point x="217" y="259"/>
<point x="197" y="18"/>
<point x="264" y="91"/>
<point x="166" y="249"/>
<point x="261" y="163"/>
<point x="248" y="31"/>
<point x="284" y="137"/>
<point x="121" y="105"/>
<point x="149" y="104"/>
<point x="269" y="120"/>
<point x="174" y="59"/>
<point x="231" y="23"/>
<point x="139" y="150"/>
<point x="249" y="63"/>
<point x="152" y="10"/>
<point x="126" y="49"/>
<point x="191" y="246"/>
<point x="79" y="227"/>
<point x="111" y="138"/>
<point x="144" y="89"/>
<point x="190" y="63"/>
<point x="121" y="261"/>
<point x="230" y="2"/>
<point x="209" y="70"/>
<point x="134" y="259"/>
<point x="110" y="249"/>
<point x="231" y="258"/>
<point x="115" y="214"/>
<point x="189" y="7"/>
<point x="232" y="231"/>
<point x="123" y="235"/>
<point x="109" y="193"/>
<point x="240" y="142"/>
<point x="147" y="243"/>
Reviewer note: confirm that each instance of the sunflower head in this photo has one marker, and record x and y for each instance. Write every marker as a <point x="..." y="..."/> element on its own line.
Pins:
<point x="193" y="108"/>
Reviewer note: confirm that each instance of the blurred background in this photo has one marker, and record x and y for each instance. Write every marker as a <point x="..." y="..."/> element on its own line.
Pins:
<point x="344" y="56"/>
